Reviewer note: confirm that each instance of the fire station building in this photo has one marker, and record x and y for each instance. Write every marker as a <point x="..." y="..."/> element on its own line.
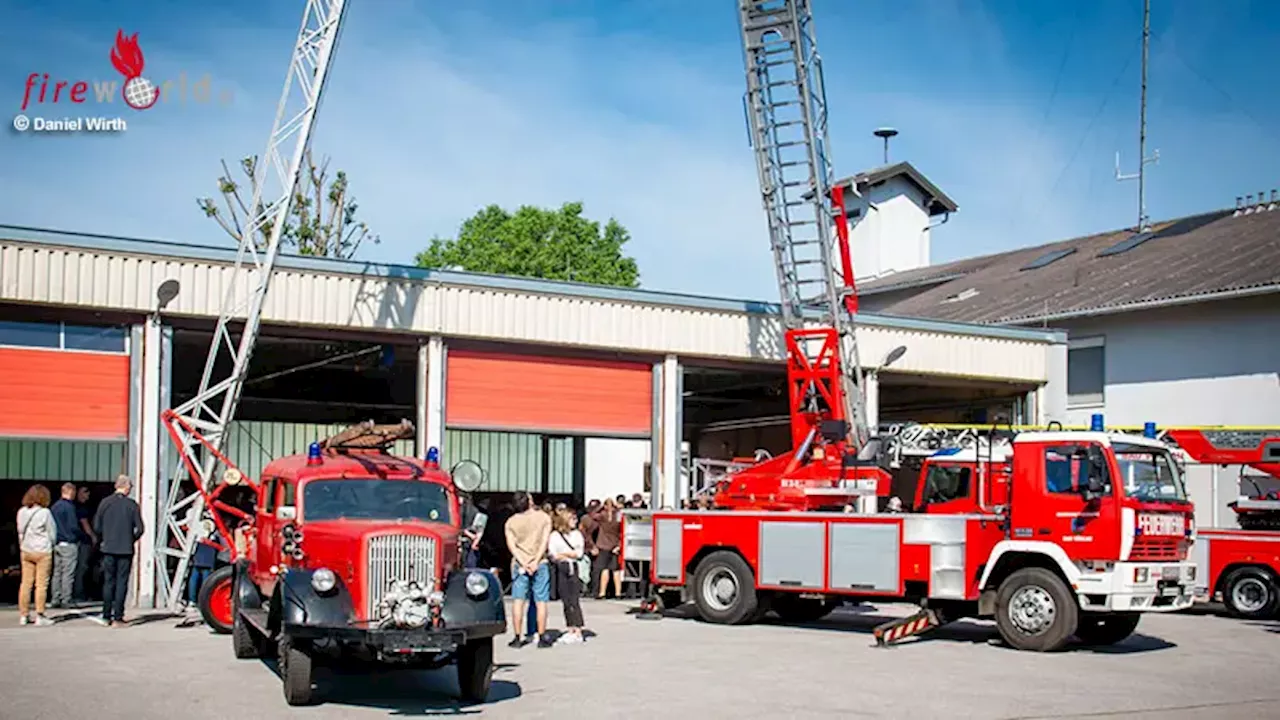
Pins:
<point x="563" y="389"/>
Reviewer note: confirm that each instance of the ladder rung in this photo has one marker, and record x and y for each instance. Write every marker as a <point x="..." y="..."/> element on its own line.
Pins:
<point x="782" y="83"/>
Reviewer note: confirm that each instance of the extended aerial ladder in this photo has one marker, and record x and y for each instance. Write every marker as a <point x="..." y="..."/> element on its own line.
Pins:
<point x="198" y="427"/>
<point x="786" y="109"/>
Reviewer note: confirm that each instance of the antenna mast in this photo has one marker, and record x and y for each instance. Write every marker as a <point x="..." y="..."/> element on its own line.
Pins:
<point x="1143" y="222"/>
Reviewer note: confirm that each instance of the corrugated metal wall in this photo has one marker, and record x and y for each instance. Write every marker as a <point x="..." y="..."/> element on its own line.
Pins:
<point x="251" y="445"/>
<point x="513" y="461"/>
<point x="113" y="279"/>
<point x="61" y="461"/>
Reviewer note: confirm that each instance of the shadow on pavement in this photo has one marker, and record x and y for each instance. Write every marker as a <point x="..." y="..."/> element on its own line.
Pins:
<point x="863" y="620"/>
<point x="408" y="692"/>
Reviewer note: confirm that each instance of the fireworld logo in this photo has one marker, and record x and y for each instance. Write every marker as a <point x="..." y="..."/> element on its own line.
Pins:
<point x="137" y="91"/>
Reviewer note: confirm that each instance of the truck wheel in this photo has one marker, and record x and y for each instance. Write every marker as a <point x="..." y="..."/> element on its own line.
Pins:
<point x="1106" y="628"/>
<point x="1250" y="593"/>
<point x="1036" y="611"/>
<point x="724" y="589"/>
<point x="475" y="669"/>
<point x="246" y="641"/>
<point x="795" y="609"/>
<point x="215" y="599"/>
<point x="296" y="673"/>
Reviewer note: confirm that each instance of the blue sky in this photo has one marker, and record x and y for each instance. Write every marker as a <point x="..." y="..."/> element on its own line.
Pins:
<point x="1015" y="109"/>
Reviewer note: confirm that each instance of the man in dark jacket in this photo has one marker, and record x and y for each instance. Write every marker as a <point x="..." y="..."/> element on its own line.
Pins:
<point x="118" y="523"/>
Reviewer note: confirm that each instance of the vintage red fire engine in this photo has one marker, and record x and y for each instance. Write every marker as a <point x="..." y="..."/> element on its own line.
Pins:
<point x="1054" y="534"/>
<point x="350" y="552"/>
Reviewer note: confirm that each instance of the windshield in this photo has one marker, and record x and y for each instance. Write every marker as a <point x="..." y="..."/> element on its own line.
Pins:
<point x="375" y="500"/>
<point x="1149" y="473"/>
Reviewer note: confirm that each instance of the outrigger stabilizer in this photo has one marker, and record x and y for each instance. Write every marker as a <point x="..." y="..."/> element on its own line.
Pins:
<point x="894" y="631"/>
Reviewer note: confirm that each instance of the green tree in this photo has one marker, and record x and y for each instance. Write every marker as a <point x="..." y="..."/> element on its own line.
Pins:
<point x="540" y="243"/>
<point x="322" y="219"/>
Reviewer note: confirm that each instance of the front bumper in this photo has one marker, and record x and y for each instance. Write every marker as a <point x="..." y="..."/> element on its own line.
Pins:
<point x="1137" y="587"/>
<point x="399" y="641"/>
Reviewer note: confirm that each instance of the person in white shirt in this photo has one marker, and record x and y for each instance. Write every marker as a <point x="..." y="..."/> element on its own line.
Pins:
<point x="566" y="548"/>
<point x="36" y="533"/>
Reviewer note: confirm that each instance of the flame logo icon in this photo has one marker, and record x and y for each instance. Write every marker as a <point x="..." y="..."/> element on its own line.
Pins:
<point x="138" y="92"/>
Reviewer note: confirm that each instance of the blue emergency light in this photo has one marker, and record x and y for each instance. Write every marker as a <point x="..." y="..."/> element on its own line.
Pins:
<point x="1149" y="430"/>
<point x="1095" y="423"/>
<point x="433" y="457"/>
<point x="313" y="454"/>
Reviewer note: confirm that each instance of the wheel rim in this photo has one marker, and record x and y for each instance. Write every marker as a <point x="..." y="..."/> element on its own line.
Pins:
<point x="1032" y="610"/>
<point x="220" y="602"/>
<point x="720" y="589"/>
<point x="1249" y="595"/>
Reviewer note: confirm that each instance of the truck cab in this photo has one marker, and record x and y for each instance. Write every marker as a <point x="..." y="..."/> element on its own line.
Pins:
<point x="356" y="553"/>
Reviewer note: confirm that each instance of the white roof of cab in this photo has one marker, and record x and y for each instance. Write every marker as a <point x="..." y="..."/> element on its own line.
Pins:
<point x="1103" y="438"/>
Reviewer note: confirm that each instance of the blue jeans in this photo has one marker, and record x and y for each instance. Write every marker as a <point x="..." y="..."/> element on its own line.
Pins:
<point x="536" y="588"/>
<point x="198" y="575"/>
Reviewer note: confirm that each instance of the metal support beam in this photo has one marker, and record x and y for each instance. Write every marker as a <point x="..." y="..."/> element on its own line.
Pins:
<point x="655" y="440"/>
<point x="670" y="435"/>
<point x="148" y="462"/>
<point x="871" y="404"/>
<point x="432" y="368"/>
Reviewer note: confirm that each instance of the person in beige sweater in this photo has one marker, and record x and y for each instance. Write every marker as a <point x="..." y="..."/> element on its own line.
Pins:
<point x="527" y="533"/>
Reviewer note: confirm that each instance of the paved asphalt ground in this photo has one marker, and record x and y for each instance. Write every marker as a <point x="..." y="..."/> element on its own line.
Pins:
<point x="1175" y="668"/>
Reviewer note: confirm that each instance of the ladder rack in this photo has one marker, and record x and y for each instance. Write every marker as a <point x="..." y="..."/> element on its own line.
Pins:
<point x="787" y="117"/>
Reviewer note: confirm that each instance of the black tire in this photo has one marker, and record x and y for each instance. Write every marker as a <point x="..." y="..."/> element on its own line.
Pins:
<point x="219" y="625"/>
<point x="1250" y="593"/>
<point x="1035" y="610"/>
<point x="795" y="609"/>
<point x="475" y="669"/>
<point x="246" y="641"/>
<point x="296" y="673"/>
<point x="1100" y="629"/>
<point x="724" y="589"/>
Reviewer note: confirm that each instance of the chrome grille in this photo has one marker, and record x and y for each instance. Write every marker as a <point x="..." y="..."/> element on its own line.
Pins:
<point x="398" y="557"/>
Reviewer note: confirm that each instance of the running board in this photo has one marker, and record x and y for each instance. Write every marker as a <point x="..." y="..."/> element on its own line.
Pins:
<point x="896" y="630"/>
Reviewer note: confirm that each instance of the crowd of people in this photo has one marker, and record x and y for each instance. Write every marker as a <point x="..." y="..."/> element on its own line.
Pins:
<point x="57" y="541"/>
<point x="579" y="554"/>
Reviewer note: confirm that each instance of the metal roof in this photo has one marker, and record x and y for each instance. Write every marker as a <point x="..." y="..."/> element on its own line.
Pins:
<point x="227" y="254"/>
<point x="1201" y="257"/>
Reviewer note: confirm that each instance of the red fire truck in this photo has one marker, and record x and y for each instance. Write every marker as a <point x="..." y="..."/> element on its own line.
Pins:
<point x="1054" y="534"/>
<point x="349" y="552"/>
<point x="1239" y="566"/>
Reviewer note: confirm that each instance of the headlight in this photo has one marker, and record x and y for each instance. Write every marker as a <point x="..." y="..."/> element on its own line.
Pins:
<point x="323" y="580"/>
<point x="1140" y="575"/>
<point x="477" y="584"/>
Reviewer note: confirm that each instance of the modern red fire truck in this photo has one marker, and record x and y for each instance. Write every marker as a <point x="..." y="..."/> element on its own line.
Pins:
<point x="1239" y="566"/>
<point x="1062" y="534"/>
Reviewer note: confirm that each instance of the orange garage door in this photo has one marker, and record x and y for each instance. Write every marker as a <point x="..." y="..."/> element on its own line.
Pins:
<point x="533" y="393"/>
<point x="64" y="394"/>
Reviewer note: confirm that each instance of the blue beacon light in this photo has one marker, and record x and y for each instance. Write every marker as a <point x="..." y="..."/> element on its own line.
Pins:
<point x="313" y="454"/>
<point x="433" y="457"/>
<point x="1096" y="424"/>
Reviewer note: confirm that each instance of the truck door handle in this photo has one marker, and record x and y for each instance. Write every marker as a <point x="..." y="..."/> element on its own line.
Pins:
<point x="1043" y="531"/>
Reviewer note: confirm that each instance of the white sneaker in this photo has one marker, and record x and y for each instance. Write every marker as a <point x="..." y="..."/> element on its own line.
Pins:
<point x="24" y="620"/>
<point x="42" y="620"/>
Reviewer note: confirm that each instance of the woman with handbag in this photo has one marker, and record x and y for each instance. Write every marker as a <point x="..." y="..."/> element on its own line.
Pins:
<point x="37" y="532"/>
<point x="566" y="548"/>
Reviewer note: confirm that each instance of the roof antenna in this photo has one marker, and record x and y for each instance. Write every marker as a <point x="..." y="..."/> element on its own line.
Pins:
<point x="1144" y="223"/>
<point x="885" y="133"/>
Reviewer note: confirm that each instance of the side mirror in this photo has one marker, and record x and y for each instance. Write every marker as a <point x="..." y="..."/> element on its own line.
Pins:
<point x="286" y="512"/>
<point x="1097" y="464"/>
<point x="468" y="476"/>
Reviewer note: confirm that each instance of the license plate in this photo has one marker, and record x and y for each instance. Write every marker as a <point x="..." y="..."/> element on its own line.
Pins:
<point x="1170" y="591"/>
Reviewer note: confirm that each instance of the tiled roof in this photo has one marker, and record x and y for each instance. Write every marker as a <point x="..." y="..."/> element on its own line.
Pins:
<point x="1182" y="260"/>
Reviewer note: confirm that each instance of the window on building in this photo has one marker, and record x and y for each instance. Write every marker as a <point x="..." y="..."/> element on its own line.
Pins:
<point x="29" y="334"/>
<point x="89" y="337"/>
<point x="61" y="336"/>
<point x="1086" y="371"/>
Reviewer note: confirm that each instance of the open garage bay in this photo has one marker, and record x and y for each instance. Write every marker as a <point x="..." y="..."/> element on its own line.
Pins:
<point x="1176" y="667"/>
